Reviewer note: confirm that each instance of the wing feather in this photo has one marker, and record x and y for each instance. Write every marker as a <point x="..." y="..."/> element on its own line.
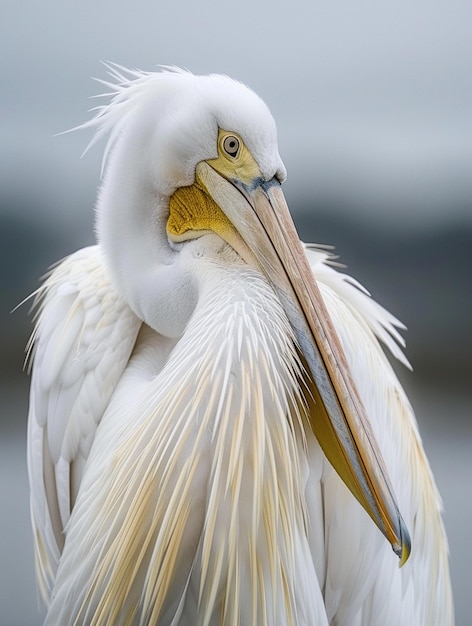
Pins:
<point x="82" y="342"/>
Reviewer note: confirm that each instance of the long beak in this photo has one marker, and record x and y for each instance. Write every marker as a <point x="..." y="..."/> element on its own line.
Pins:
<point x="267" y="236"/>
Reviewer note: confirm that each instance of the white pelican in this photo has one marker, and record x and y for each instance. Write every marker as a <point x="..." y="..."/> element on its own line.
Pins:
<point x="195" y="383"/>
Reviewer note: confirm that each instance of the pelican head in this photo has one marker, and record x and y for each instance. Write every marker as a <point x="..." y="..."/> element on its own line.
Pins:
<point x="192" y="168"/>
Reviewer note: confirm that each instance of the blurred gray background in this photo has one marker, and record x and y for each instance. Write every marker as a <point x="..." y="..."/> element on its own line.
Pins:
<point x="373" y="101"/>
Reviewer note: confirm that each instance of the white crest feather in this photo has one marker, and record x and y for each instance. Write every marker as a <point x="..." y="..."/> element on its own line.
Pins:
<point x="125" y="91"/>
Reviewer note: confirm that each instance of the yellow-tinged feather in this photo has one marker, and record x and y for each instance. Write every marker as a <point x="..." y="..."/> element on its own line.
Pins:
<point x="263" y="602"/>
<point x="290" y="609"/>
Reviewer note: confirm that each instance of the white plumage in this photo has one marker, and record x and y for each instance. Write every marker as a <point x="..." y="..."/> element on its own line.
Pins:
<point x="174" y="475"/>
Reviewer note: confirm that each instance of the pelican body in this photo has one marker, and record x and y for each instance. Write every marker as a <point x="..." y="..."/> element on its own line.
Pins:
<point x="215" y="433"/>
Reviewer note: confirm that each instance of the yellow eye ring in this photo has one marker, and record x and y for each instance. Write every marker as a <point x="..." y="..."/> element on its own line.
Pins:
<point x="231" y="145"/>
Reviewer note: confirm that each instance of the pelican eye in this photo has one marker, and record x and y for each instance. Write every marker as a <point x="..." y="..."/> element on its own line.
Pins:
<point x="231" y="145"/>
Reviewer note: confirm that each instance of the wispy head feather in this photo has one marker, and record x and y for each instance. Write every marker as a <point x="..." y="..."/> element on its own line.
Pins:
<point x="125" y="88"/>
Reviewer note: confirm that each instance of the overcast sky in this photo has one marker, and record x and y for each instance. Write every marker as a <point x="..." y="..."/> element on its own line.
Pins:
<point x="373" y="99"/>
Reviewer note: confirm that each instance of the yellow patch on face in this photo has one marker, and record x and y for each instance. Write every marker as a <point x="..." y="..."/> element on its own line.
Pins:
<point x="193" y="211"/>
<point x="234" y="160"/>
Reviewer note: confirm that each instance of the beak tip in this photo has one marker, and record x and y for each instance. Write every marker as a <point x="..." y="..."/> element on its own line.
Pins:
<point x="403" y="549"/>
